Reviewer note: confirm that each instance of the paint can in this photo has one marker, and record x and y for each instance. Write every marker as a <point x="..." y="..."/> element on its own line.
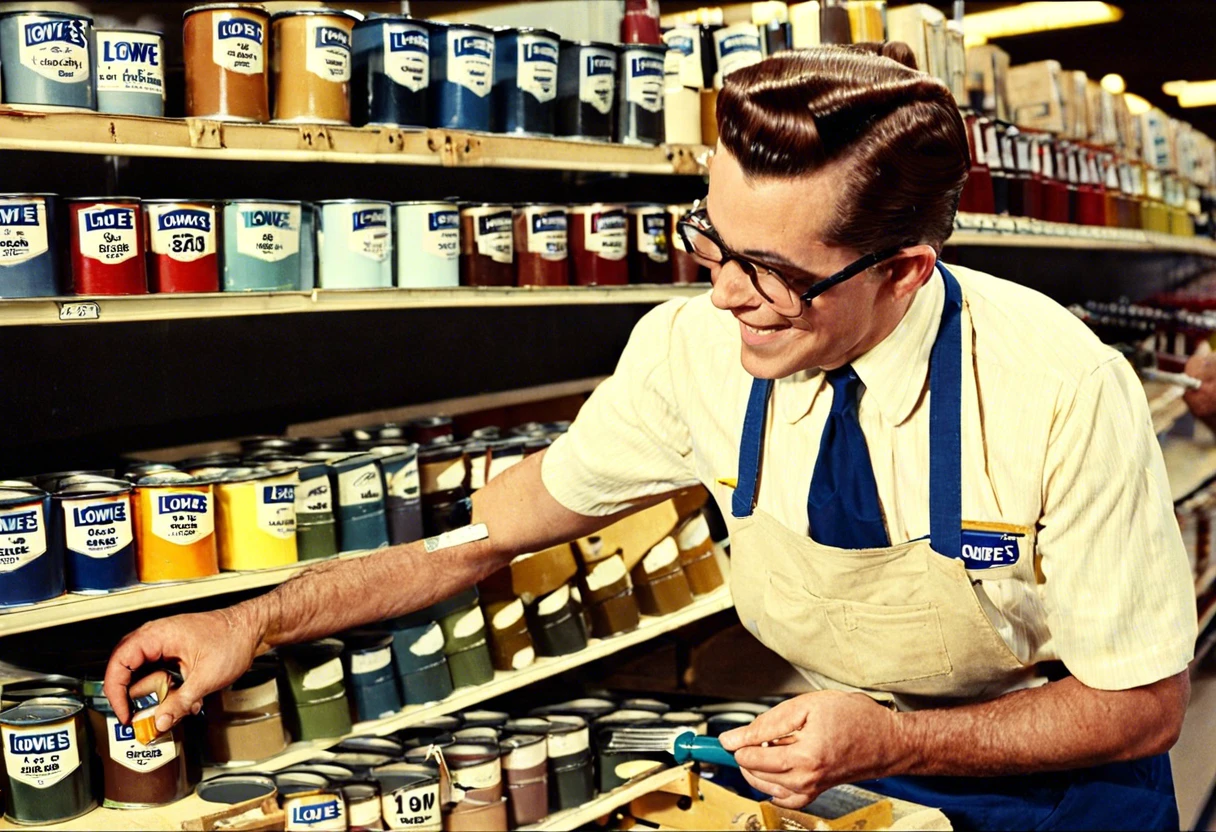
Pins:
<point x="92" y="526"/>
<point x="431" y="430"/>
<point x="391" y="73"/>
<point x="183" y="255"/>
<point x="360" y="489"/>
<point x="30" y="569"/>
<point x="557" y="629"/>
<point x="244" y="721"/>
<point x="649" y="259"/>
<point x="599" y="243"/>
<point x="464" y="641"/>
<point x="541" y="245"/>
<point x="320" y="810"/>
<point x="355" y="244"/>
<point x="262" y="245"/>
<point x="682" y="82"/>
<point x="422" y="665"/>
<point x="586" y="90"/>
<point x="487" y="253"/>
<point x="362" y="806"/>
<point x="226" y="52"/>
<point x="231" y="789"/>
<point x="476" y="769"/>
<point x="131" y="72"/>
<point x="409" y="797"/>
<point x="256" y="519"/>
<point x="136" y="775"/>
<point x="372" y="678"/>
<point x="684" y="266"/>
<point x="312" y="65"/>
<point x="427" y="244"/>
<point x="462" y="75"/>
<point x="29" y="245"/>
<point x="48" y="60"/>
<point x="525" y="81"/>
<point x="511" y="645"/>
<point x="403" y="494"/>
<point x="735" y="47"/>
<point x="45" y="761"/>
<point x="316" y="531"/>
<point x="313" y="675"/>
<point x="308" y="246"/>
<point x="107" y="246"/>
<point x="640" y="85"/>
<point x="443" y="473"/>
<point x="175" y="528"/>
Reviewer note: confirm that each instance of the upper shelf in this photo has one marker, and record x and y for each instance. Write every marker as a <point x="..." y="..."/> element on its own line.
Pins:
<point x="117" y="135"/>
<point x="1024" y="232"/>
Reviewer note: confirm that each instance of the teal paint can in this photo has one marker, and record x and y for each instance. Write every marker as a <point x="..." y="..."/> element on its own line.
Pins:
<point x="48" y="60"/>
<point x="262" y="245"/>
<point x="354" y="244"/>
<point x="131" y="72"/>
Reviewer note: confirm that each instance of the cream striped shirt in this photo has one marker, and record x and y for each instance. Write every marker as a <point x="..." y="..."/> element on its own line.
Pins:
<point x="1056" y="436"/>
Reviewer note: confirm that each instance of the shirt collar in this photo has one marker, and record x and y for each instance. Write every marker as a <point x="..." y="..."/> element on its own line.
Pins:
<point x="894" y="371"/>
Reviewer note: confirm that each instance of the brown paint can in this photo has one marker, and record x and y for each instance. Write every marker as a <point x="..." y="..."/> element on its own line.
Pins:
<point x="541" y="245"/>
<point x="487" y="249"/>
<point x="312" y="65"/>
<point x="226" y="56"/>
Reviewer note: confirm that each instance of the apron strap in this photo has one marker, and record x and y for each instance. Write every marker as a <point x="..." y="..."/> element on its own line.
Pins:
<point x="945" y="426"/>
<point x="749" y="448"/>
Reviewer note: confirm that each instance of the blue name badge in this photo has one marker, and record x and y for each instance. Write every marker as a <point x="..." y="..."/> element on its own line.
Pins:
<point x="989" y="549"/>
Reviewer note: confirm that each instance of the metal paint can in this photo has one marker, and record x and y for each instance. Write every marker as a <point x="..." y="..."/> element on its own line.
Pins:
<point x="542" y="245"/>
<point x="462" y="75"/>
<point x="323" y="810"/>
<point x="46" y="761"/>
<point x="308" y="246"/>
<point x="599" y="243"/>
<point x="48" y="60"/>
<point x="136" y="774"/>
<point x="586" y="90"/>
<point x="231" y="789"/>
<point x="183" y="255"/>
<point x="422" y="665"/>
<point x="403" y="495"/>
<point x="735" y="47"/>
<point x="29" y="248"/>
<point x="427" y="245"/>
<point x="369" y="669"/>
<point x="30" y="569"/>
<point x="649" y="255"/>
<point x="355" y="244"/>
<point x="640" y="85"/>
<point x="392" y="71"/>
<point x="487" y="252"/>
<point x="131" y="72"/>
<point x="262" y="245"/>
<point x="316" y="531"/>
<point x="226" y="50"/>
<point x="92" y="526"/>
<point x="175" y="528"/>
<point x="525" y="81"/>
<point x="360" y="489"/>
<point x="312" y="66"/>
<point x="313" y="673"/>
<point x="467" y="649"/>
<point x="409" y="797"/>
<point x="107" y="246"/>
<point x="256" y="519"/>
<point x="362" y="806"/>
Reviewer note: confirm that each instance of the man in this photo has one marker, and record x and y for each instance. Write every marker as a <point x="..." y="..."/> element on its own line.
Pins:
<point x="945" y="493"/>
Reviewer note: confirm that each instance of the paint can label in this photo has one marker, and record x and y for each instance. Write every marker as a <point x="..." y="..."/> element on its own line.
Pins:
<point x="98" y="527"/>
<point x="597" y="79"/>
<point x="686" y="43"/>
<point x="55" y="49"/>
<point x="323" y="675"/>
<point x="108" y="233"/>
<point x="471" y="61"/>
<point x="369" y="236"/>
<point x="537" y="66"/>
<point x="130" y="753"/>
<point x="494" y="236"/>
<point x="652" y="236"/>
<point x="328" y="53"/>
<point x="268" y="232"/>
<point x="182" y="517"/>
<point x="184" y="233"/>
<point x="547" y="235"/>
<point x="412" y="807"/>
<point x="238" y="45"/>
<point x="23" y="233"/>
<point x="130" y="62"/>
<point x="429" y="643"/>
<point x="41" y="755"/>
<point x="313" y="496"/>
<point x="644" y="80"/>
<point x="523" y="658"/>
<point x="405" y="482"/>
<point x="737" y="47"/>
<point x="484" y="776"/>
<point x="360" y="486"/>
<point x="22" y="536"/>
<point x="276" y="510"/>
<point x="319" y="812"/>
<point x="607" y="234"/>
<point x="407" y="57"/>
<point x="371" y="661"/>
<point x="469" y="624"/>
<point x="442" y="237"/>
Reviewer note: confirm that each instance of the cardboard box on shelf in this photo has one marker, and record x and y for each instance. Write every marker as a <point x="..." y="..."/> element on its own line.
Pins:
<point x="1035" y="100"/>
<point x="991" y="63"/>
<point x="923" y="28"/>
<point x="1076" y="106"/>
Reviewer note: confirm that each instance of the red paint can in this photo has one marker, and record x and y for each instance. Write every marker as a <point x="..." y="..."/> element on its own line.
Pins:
<point x="107" y="246"/>
<point x="182" y="245"/>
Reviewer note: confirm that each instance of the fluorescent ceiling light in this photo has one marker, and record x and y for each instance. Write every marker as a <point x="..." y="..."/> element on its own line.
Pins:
<point x="1197" y="94"/>
<point x="1135" y="104"/>
<point x="1172" y="87"/>
<point x="1114" y="84"/>
<point x="1025" y="18"/>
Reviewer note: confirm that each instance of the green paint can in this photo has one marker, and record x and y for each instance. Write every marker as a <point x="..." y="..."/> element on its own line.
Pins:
<point x="46" y="761"/>
<point x="314" y="677"/>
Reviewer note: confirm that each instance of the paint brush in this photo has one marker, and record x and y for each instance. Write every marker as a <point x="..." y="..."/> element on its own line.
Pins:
<point x="679" y="742"/>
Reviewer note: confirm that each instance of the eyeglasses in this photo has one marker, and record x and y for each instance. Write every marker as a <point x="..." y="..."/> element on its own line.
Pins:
<point x="703" y="242"/>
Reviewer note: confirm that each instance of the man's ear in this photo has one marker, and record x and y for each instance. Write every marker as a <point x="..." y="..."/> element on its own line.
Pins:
<point x="911" y="269"/>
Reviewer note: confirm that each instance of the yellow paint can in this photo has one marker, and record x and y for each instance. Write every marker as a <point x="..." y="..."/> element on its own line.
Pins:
<point x="256" y="518"/>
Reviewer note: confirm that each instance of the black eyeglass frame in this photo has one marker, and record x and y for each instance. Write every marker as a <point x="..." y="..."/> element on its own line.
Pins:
<point x="749" y="268"/>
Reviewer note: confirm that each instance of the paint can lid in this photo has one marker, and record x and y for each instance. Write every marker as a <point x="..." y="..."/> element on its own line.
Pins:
<point x="405" y="775"/>
<point x="252" y="8"/>
<point x="370" y="745"/>
<point x="318" y="12"/>
<point x="18" y="496"/>
<point x="42" y="710"/>
<point x="526" y="30"/>
<point x="48" y="14"/>
<point x="124" y="30"/>
<point x="236" y="788"/>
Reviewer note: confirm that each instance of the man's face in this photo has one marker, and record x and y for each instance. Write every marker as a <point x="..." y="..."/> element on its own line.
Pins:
<point x="779" y="222"/>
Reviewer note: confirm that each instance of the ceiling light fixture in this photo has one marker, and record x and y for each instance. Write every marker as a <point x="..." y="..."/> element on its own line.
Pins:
<point x="1113" y="84"/>
<point x="1025" y="18"/>
<point x="1136" y="104"/>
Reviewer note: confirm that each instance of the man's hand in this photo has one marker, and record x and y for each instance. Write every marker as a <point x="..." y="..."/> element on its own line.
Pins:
<point x="817" y="741"/>
<point x="1202" y="402"/>
<point x="211" y="649"/>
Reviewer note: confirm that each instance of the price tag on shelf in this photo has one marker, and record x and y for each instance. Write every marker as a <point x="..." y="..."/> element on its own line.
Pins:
<point x="85" y="310"/>
<point x="1006" y="225"/>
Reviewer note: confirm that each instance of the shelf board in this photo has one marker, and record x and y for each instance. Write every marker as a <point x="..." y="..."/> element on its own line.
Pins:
<point x="1021" y="232"/>
<point x="118" y="135"/>
<point x="1165" y="404"/>
<point x="1190" y="463"/>
<point x="588" y="813"/>
<point x="166" y="307"/>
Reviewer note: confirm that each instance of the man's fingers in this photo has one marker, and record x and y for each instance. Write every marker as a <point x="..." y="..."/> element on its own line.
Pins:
<point x="179" y="704"/>
<point x="794" y="801"/>
<point x="772" y="760"/>
<point x="154" y="682"/>
<point x="779" y="722"/>
<point x="132" y="653"/>
<point x="758" y="782"/>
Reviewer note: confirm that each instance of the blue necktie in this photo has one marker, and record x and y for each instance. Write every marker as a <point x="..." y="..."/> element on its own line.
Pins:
<point x="842" y="506"/>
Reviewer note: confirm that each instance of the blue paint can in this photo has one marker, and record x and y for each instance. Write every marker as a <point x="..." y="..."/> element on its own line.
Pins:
<point x="354" y="244"/>
<point x="427" y="244"/>
<point x="359" y="485"/>
<point x="370" y="674"/>
<point x="262" y="245"/>
<point x="48" y="60"/>
<point x="131" y="72"/>
<point x="421" y="663"/>
<point x="308" y="246"/>
<point x="91" y="525"/>
<point x="391" y="72"/>
<point x="640" y="94"/>
<point x="29" y="248"/>
<point x="403" y="501"/>
<point x="586" y="90"/>
<point x="30" y="569"/>
<point x="462" y="76"/>
<point x="525" y="81"/>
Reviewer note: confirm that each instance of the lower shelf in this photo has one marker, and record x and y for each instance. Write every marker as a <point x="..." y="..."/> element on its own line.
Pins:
<point x="588" y="813"/>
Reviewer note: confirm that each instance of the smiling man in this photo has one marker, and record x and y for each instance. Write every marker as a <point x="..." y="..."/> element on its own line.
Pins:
<point x="948" y="507"/>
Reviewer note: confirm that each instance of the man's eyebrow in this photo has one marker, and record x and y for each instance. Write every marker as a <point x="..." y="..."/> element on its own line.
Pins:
<point x="768" y="257"/>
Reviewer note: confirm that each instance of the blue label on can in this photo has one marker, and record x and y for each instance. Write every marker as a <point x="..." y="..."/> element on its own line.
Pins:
<point x="109" y="218"/>
<point x="330" y="36"/>
<point x="369" y="218"/>
<point x="317" y="813"/>
<point x="738" y="43"/>
<point x="99" y="515"/>
<point x="551" y="221"/>
<point x="611" y="221"/>
<point x="600" y="65"/>
<point x="494" y="223"/>
<point x="266" y="219"/>
<point x="137" y="52"/>
<point x="24" y="523"/>
<point x="179" y="218"/>
<point x="186" y="503"/>
<point x="681" y="43"/>
<point x="11" y="215"/>
<point x="123" y="733"/>
<point x="409" y="41"/>
<point x="239" y="28"/>
<point x="640" y="67"/>
<point x="62" y="31"/>
<point x="278" y="494"/>
<point x="49" y="743"/>
<point x="442" y="220"/>
<point x="540" y="51"/>
<point x="473" y="45"/>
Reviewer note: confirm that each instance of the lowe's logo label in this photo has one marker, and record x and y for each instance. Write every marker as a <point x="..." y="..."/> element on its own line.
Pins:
<point x="473" y="46"/>
<point x="185" y="503"/>
<point x="408" y="42"/>
<point x="443" y="220"/>
<point x="540" y="51"/>
<point x="62" y="31"/>
<point x="738" y="43"/>
<point x="279" y="494"/>
<point x="131" y="51"/>
<point x="40" y="743"/>
<point x="600" y="65"/>
<point x="238" y="28"/>
<point x="191" y="218"/>
<point x="19" y="214"/>
<point x="987" y="550"/>
<point x="110" y="218"/>
<point x="328" y="36"/>
<point x="317" y="813"/>
<point x="100" y="515"/>
<point x="639" y="67"/>
<point x="24" y="523"/>
<point x="267" y="219"/>
<point x="123" y="733"/>
<point x="680" y="43"/>
<point x="370" y="218"/>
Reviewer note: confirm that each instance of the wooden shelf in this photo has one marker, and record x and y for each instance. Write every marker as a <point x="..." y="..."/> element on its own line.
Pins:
<point x="1190" y="463"/>
<point x="1165" y="404"/>
<point x="115" y="135"/>
<point x="167" y="307"/>
<point x="1022" y="232"/>
<point x="605" y="804"/>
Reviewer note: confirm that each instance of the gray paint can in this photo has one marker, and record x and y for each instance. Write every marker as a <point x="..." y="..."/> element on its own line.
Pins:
<point x="48" y="60"/>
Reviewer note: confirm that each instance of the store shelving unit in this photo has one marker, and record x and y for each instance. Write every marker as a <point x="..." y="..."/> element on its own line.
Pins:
<point x="605" y="804"/>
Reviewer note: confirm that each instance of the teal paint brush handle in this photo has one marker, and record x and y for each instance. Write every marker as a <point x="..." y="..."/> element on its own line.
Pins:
<point x="689" y="746"/>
